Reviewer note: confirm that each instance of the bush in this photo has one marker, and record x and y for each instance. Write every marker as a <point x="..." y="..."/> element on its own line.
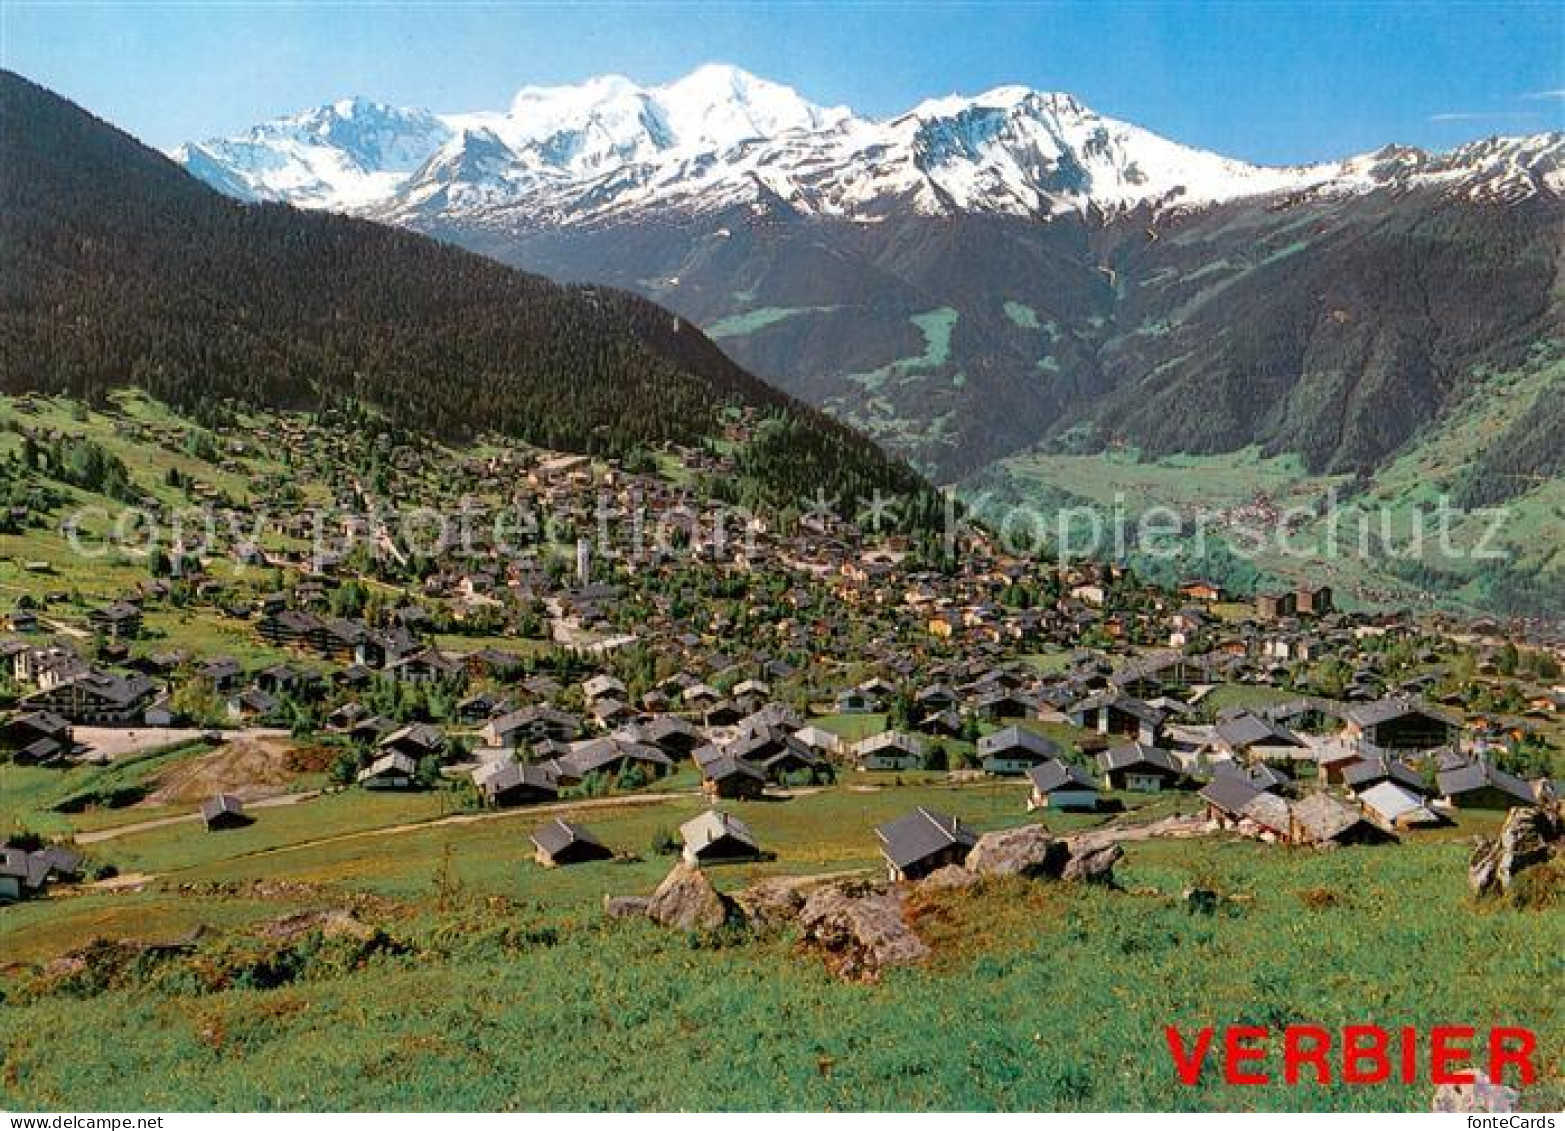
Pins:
<point x="666" y="842"/>
<point x="25" y="839"/>
<point x="1317" y="898"/>
<point x="1539" y="888"/>
<point x="344" y="768"/>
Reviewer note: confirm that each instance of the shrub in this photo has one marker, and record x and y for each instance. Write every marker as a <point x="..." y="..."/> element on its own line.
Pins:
<point x="1320" y="897"/>
<point x="344" y="768"/>
<point x="665" y="842"/>
<point x="1539" y="888"/>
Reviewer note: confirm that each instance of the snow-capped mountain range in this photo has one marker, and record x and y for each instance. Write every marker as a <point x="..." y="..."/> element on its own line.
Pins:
<point x="719" y="137"/>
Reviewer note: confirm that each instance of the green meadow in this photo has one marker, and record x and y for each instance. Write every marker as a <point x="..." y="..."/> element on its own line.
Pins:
<point x="496" y="984"/>
<point x="1038" y="997"/>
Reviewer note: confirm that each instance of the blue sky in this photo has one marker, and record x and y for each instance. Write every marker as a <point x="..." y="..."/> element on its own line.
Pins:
<point x="1266" y="81"/>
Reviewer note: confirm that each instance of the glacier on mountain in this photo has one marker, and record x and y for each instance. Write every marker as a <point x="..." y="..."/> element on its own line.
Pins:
<point x="609" y="149"/>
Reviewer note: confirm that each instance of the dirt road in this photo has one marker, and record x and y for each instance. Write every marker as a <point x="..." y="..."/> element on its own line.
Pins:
<point x="634" y="799"/>
<point x="97" y="836"/>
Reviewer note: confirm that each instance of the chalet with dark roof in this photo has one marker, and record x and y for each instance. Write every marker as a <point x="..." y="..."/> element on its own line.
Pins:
<point x="38" y="738"/>
<point x="773" y="718"/>
<point x="674" y="736"/>
<point x="251" y="704"/>
<point x="390" y="771"/>
<point x="427" y="665"/>
<point x="118" y="621"/>
<point x="889" y="750"/>
<point x="1248" y="737"/>
<point x="855" y="701"/>
<point x="714" y="837"/>
<point x="493" y="663"/>
<point x="222" y="672"/>
<point x="612" y="756"/>
<point x="506" y="784"/>
<point x="936" y="698"/>
<point x="1482" y="785"/>
<point x="417" y="741"/>
<point x="1000" y="703"/>
<point x="94" y="697"/>
<point x="1400" y="724"/>
<point x="1015" y="750"/>
<point x="22" y="874"/>
<point x="480" y="708"/>
<point x="1062" y="787"/>
<point x="530" y="726"/>
<point x="1111" y="713"/>
<point x="224" y="812"/>
<point x="1139" y="768"/>
<point x="923" y="842"/>
<point x="728" y="777"/>
<point x="559" y="843"/>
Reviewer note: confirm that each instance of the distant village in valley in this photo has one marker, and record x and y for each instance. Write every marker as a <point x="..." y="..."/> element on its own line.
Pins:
<point x="801" y="655"/>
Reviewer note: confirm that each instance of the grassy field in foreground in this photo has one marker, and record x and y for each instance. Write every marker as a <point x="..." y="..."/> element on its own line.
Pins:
<point x="402" y="846"/>
<point x="1039" y="997"/>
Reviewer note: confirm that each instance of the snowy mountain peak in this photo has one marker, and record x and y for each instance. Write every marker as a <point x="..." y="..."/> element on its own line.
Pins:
<point x="720" y="137"/>
<point x="713" y="108"/>
<point x="1000" y="98"/>
<point x="723" y="106"/>
<point x="358" y="105"/>
<point x="1495" y="170"/>
<point x="346" y="155"/>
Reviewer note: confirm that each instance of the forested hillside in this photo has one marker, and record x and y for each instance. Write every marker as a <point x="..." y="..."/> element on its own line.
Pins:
<point x="1334" y="328"/>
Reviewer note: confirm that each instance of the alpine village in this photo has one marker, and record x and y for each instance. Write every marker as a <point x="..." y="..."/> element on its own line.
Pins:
<point x="706" y="740"/>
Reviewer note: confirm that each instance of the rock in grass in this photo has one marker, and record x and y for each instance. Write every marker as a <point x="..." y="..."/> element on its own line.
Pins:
<point x="1526" y="839"/>
<point x="773" y="902"/>
<point x="1093" y="865"/>
<point x="861" y="930"/>
<point x="332" y="924"/>
<point x="1483" y="867"/>
<point x="687" y="900"/>
<point x="948" y="878"/>
<point x="625" y="906"/>
<point x="1028" y="851"/>
<point x="1479" y="1097"/>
